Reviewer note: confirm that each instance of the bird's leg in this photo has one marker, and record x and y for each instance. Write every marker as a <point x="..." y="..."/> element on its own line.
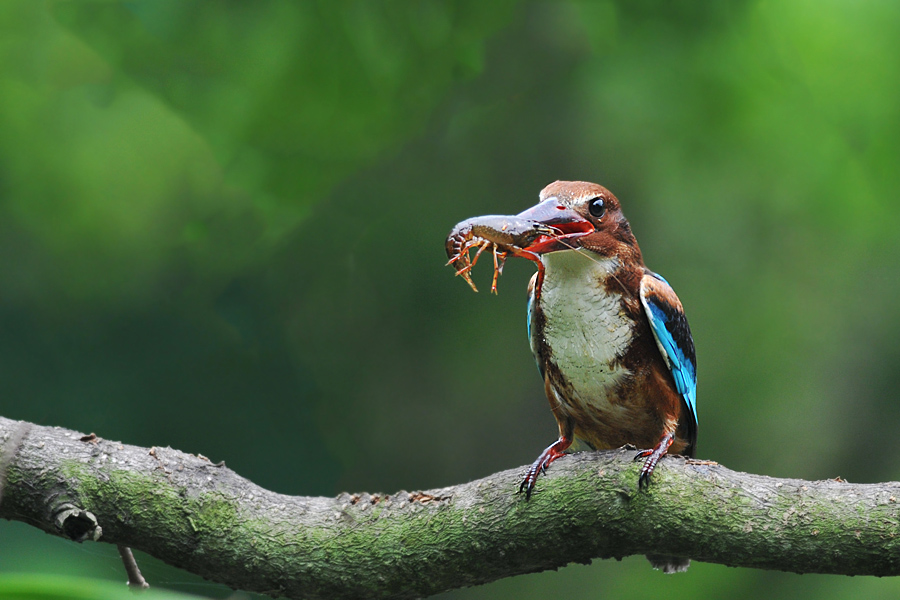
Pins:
<point x="553" y="451"/>
<point x="653" y="457"/>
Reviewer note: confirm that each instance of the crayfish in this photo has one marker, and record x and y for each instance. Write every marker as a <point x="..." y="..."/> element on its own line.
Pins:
<point x="503" y="235"/>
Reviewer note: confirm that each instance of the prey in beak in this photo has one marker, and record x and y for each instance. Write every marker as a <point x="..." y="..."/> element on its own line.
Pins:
<point x="552" y="225"/>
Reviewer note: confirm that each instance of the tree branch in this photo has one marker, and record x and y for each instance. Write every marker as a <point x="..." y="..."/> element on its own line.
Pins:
<point x="206" y="519"/>
<point x="136" y="580"/>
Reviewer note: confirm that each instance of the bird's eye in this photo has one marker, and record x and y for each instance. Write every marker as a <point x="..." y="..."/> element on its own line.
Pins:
<point x="596" y="207"/>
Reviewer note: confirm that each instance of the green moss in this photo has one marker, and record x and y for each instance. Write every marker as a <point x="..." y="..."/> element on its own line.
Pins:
<point x="213" y="513"/>
<point x="149" y="498"/>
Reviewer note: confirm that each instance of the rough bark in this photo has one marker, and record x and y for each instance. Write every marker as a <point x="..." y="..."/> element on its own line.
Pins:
<point x="206" y="519"/>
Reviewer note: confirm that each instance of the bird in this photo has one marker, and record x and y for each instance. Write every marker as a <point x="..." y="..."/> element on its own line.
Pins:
<point x="609" y="336"/>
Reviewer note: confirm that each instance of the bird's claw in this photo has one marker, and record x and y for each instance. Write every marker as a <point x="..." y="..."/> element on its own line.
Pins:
<point x="652" y="457"/>
<point x="553" y="451"/>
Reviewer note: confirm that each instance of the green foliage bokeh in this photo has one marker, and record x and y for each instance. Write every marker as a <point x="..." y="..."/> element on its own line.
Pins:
<point x="221" y="229"/>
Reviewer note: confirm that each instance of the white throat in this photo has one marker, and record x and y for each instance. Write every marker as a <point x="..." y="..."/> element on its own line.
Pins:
<point x="584" y="323"/>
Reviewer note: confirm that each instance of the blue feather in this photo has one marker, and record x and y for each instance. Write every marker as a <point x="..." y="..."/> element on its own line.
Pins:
<point x="530" y="313"/>
<point x="533" y="342"/>
<point x="682" y="369"/>
<point x="673" y="335"/>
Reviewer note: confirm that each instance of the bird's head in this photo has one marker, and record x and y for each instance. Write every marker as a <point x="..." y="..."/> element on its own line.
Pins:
<point x="587" y="215"/>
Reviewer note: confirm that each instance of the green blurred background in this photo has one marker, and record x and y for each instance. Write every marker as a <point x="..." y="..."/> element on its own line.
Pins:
<point x="222" y="226"/>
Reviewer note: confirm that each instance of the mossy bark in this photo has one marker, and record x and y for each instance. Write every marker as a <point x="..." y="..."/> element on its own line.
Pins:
<point x="206" y="519"/>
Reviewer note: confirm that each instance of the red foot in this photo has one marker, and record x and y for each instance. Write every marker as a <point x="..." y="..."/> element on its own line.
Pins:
<point x="652" y="457"/>
<point x="553" y="451"/>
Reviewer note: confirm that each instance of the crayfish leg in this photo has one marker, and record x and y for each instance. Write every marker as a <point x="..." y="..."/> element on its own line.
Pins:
<point x="502" y="256"/>
<point x="468" y="279"/>
<point x="464" y="272"/>
<point x="481" y="248"/>
<point x="498" y="268"/>
<point x="466" y="269"/>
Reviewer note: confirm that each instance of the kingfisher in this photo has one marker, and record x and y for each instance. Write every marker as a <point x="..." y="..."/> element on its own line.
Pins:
<point x="609" y="335"/>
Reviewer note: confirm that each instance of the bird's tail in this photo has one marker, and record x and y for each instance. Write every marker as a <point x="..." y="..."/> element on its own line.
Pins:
<point x="669" y="564"/>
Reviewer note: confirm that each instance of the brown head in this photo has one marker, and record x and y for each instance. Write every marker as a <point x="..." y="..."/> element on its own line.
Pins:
<point x="588" y="216"/>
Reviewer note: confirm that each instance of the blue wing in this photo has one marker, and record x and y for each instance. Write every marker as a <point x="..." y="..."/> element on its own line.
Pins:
<point x="532" y="340"/>
<point x="673" y="336"/>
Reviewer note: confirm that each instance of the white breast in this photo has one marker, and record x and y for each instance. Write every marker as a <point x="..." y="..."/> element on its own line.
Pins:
<point x="584" y="324"/>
